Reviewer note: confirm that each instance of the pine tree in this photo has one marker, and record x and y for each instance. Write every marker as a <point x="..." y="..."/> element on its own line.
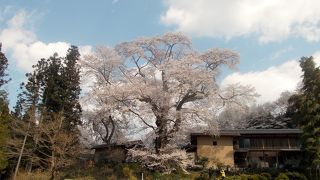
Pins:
<point x="4" y="112"/>
<point x="4" y="133"/>
<point x="52" y="88"/>
<point x="71" y="88"/>
<point x="52" y="84"/>
<point x="305" y="109"/>
<point x="3" y="68"/>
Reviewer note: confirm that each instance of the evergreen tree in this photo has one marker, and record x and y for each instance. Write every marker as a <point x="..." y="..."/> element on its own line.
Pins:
<point x="4" y="112"/>
<point x="52" y="84"/>
<point x="61" y="87"/>
<point x="71" y="88"/>
<point x="4" y="133"/>
<point x="52" y="88"/>
<point x="3" y="68"/>
<point x="305" y="110"/>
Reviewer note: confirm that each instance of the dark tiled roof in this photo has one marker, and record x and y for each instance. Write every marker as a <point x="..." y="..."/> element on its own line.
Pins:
<point x="128" y="144"/>
<point x="238" y="132"/>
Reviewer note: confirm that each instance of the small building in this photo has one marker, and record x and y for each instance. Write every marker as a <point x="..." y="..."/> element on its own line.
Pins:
<point x="114" y="152"/>
<point x="249" y="147"/>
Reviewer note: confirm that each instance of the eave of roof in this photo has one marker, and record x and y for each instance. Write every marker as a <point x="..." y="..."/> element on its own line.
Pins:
<point x="125" y="145"/>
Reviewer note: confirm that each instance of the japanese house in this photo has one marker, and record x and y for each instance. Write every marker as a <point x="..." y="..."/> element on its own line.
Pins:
<point x="114" y="152"/>
<point x="249" y="147"/>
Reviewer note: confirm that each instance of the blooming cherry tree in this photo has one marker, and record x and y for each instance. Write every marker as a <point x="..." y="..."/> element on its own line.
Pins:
<point x="160" y="81"/>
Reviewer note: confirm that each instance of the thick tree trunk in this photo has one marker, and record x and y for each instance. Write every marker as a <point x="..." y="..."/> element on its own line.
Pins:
<point x="160" y="143"/>
<point x="161" y="140"/>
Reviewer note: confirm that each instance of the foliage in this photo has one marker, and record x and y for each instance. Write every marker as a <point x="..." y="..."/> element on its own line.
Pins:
<point x="267" y="175"/>
<point x="3" y="68"/>
<point x="35" y="175"/>
<point x="161" y="82"/>
<point x="128" y="173"/>
<point x="46" y="140"/>
<point x="203" y="176"/>
<point x="282" y="176"/>
<point x="4" y="112"/>
<point x="53" y="86"/>
<point x="168" y="160"/>
<point x="270" y="115"/>
<point x="63" y="145"/>
<point x="71" y="89"/>
<point x="296" y="176"/>
<point x="202" y="161"/>
<point x="135" y="170"/>
<point x="4" y="132"/>
<point x="247" y="177"/>
<point x="305" y="109"/>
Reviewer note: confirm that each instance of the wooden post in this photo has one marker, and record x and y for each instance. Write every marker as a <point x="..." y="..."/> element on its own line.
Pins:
<point x="277" y="164"/>
<point x="19" y="159"/>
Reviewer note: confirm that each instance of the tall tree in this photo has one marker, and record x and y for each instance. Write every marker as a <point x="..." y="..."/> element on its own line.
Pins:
<point x="52" y="88"/>
<point x="4" y="112"/>
<point x="3" y="68"/>
<point x="4" y="132"/>
<point x="160" y="81"/>
<point x="270" y="115"/>
<point x="52" y="81"/>
<point x="305" y="109"/>
<point x="71" y="88"/>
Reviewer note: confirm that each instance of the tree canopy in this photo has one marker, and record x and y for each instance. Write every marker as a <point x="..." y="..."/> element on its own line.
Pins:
<point x="4" y="112"/>
<point x="305" y="110"/>
<point x="161" y="81"/>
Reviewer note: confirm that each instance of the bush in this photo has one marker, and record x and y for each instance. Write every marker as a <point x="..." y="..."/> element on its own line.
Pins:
<point x="247" y="177"/>
<point x="112" y="177"/>
<point x="85" y="178"/>
<point x="267" y="175"/>
<point x="203" y="176"/>
<point x="296" y="176"/>
<point x="282" y="176"/>
<point x="233" y="178"/>
<point x="202" y="161"/>
<point x="36" y="175"/>
<point x="127" y="173"/>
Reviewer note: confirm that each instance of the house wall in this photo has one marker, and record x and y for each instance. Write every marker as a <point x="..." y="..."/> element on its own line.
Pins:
<point x="220" y="153"/>
<point x="116" y="154"/>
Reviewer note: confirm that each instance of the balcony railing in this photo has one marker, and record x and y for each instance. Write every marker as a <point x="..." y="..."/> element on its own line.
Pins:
<point x="269" y="144"/>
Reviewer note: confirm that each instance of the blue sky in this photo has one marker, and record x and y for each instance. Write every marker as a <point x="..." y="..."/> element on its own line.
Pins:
<point x="270" y="35"/>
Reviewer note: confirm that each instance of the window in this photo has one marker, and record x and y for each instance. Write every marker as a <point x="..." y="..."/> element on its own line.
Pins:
<point x="268" y="143"/>
<point x="256" y="143"/>
<point x="244" y="143"/>
<point x="214" y="143"/>
<point x="280" y="143"/>
<point x="294" y="143"/>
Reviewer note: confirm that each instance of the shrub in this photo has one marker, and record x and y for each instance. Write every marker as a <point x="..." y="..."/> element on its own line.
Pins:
<point x="36" y="175"/>
<point x="202" y="161"/>
<point x="282" y="176"/>
<point x="112" y="177"/>
<point x="296" y="176"/>
<point x="247" y="177"/>
<point x="85" y="178"/>
<point x="267" y="175"/>
<point x="233" y="178"/>
<point x="171" y="158"/>
<point x="127" y="173"/>
<point x="203" y="176"/>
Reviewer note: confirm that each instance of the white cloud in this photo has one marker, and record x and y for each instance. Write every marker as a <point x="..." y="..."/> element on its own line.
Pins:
<point x="23" y="45"/>
<point x="115" y="1"/>
<point x="270" y="20"/>
<point x="271" y="82"/>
